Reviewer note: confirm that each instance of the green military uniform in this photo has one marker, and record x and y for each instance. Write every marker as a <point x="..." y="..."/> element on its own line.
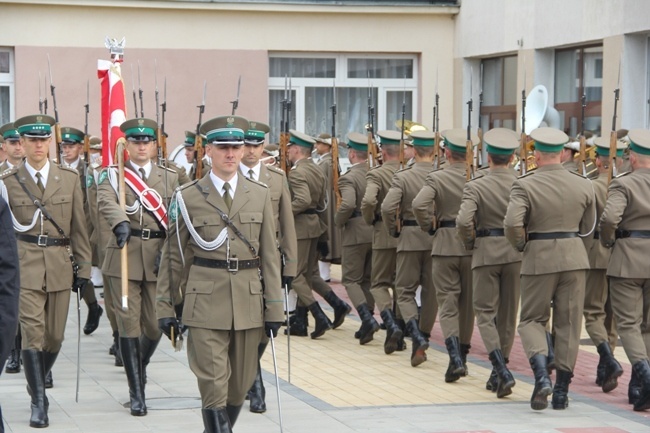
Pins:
<point x="413" y="250"/>
<point x="625" y="227"/>
<point x="8" y="133"/>
<point x="436" y="205"/>
<point x="226" y="306"/>
<point x="547" y="211"/>
<point x="356" y="239"/>
<point x="333" y="235"/>
<point x="190" y="142"/>
<point x="495" y="264"/>
<point x="45" y="255"/>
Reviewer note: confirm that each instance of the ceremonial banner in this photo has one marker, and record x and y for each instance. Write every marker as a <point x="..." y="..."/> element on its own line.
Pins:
<point x="113" y="105"/>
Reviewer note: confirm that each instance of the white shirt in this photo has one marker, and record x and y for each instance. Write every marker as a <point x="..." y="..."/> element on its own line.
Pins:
<point x="256" y="170"/>
<point x="73" y="165"/>
<point x="218" y="184"/>
<point x="45" y="171"/>
<point x="147" y="169"/>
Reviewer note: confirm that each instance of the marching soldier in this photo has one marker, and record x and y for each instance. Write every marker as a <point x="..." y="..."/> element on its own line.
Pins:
<point x="596" y="290"/>
<point x="625" y="227"/>
<point x="47" y="205"/>
<point x="495" y="265"/>
<point x="275" y="179"/>
<point x="548" y="209"/>
<point x="567" y="156"/>
<point x="413" y="248"/>
<point x="143" y="226"/>
<point x="356" y="236"/>
<point x="436" y="208"/>
<point x="227" y="221"/>
<point x="384" y="246"/>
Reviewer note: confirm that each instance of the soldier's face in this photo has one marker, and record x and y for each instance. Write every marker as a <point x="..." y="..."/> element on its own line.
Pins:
<point x="189" y="154"/>
<point x="14" y="151"/>
<point x="70" y="152"/>
<point x="225" y="159"/>
<point x="252" y="155"/>
<point x="140" y="153"/>
<point x="36" y="149"/>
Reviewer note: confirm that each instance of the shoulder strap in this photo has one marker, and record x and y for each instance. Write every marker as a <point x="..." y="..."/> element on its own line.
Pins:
<point x="39" y="205"/>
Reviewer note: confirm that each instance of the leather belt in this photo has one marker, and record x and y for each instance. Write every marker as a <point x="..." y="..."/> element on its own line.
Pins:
<point x="639" y="234"/>
<point x="446" y="224"/>
<point x="147" y="234"/>
<point x="355" y="214"/>
<point x="309" y="212"/>
<point x="596" y="235"/>
<point x="407" y="223"/>
<point x="552" y="235"/>
<point x="43" y="240"/>
<point x="483" y="233"/>
<point x="232" y="265"/>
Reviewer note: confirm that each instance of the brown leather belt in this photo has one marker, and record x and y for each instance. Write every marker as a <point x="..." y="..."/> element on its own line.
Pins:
<point x="552" y="235"/>
<point x="232" y="265"/>
<point x="43" y="240"/>
<point x="147" y="234"/>
<point x="483" y="233"/>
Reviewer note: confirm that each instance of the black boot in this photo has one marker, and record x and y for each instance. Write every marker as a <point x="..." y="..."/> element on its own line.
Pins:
<point x="130" y="348"/>
<point x="116" y="349"/>
<point x="560" y="398"/>
<point x="299" y="322"/>
<point x="92" y="321"/>
<point x="456" y="367"/>
<point x="633" y="389"/>
<point x="322" y="322"/>
<point x="257" y="393"/>
<point x="216" y="421"/>
<point x="612" y="369"/>
<point x="642" y="370"/>
<point x="600" y="372"/>
<point x="233" y="413"/>
<point x="401" y="344"/>
<point x="543" y="386"/>
<point x="505" y="381"/>
<point x="464" y="350"/>
<point x="48" y="362"/>
<point x="13" y="363"/>
<point x="493" y="381"/>
<point x="420" y="344"/>
<point x="35" y="375"/>
<point x="341" y="308"/>
<point x="550" y="358"/>
<point x="147" y="348"/>
<point x="393" y="332"/>
<point x="368" y="324"/>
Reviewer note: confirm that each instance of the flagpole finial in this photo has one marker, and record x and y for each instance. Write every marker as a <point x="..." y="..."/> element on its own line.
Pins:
<point x="116" y="48"/>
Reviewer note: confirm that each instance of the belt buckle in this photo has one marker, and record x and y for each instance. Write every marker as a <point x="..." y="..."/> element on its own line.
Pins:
<point x="230" y="266"/>
<point x="42" y="240"/>
<point x="146" y="234"/>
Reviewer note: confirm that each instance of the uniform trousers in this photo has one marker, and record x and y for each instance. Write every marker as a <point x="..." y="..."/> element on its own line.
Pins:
<point x="382" y="277"/>
<point x="356" y="263"/>
<point x="140" y="317"/>
<point x="224" y="363"/>
<point x="594" y="309"/>
<point x="631" y="304"/>
<point x="567" y="291"/>
<point x="453" y="285"/>
<point x="42" y="318"/>
<point x="496" y="303"/>
<point x="413" y="270"/>
<point x="302" y="283"/>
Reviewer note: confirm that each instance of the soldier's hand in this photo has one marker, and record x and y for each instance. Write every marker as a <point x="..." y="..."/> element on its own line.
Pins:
<point x="166" y="324"/>
<point x="272" y="328"/>
<point x="79" y="284"/>
<point x="156" y="263"/>
<point x="122" y="233"/>
<point x="323" y="249"/>
<point x="286" y="282"/>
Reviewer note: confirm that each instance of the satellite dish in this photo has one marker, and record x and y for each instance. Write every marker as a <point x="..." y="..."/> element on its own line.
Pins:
<point x="538" y="112"/>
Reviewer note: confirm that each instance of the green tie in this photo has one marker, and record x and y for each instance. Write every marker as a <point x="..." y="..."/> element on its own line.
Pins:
<point x="226" y="195"/>
<point x="39" y="182"/>
<point x="251" y="174"/>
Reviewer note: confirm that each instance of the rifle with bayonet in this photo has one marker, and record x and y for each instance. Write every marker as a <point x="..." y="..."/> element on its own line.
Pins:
<point x="235" y="103"/>
<point x="140" y="93"/>
<point x="402" y="163"/>
<point x="57" y="125"/>
<point x="479" y="146"/>
<point x="372" y="147"/>
<point x="523" y="163"/>
<point x="469" y="148"/>
<point x="40" y="95"/>
<point x="135" y="98"/>
<point x="284" y="126"/>
<point x="198" y="143"/>
<point x="613" y="171"/>
<point x="436" y="129"/>
<point x="335" y="152"/>
<point x="582" y="158"/>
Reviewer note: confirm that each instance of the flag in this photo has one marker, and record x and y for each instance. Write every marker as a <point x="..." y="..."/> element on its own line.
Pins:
<point x="113" y="105"/>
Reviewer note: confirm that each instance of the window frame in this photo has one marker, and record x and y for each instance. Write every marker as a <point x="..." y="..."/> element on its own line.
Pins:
<point x="7" y="79"/>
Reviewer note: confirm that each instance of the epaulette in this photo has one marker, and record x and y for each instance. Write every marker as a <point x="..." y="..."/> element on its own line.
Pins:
<point x="275" y="170"/>
<point x="8" y="172"/>
<point x="171" y="170"/>
<point x="255" y="181"/>
<point x="578" y="174"/>
<point x="623" y="174"/>
<point x="408" y="167"/>
<point x="527" y="174"/>
<point x="435" y="170"/>
<point x="182" y="187"/>
<point x="71" y="170"/>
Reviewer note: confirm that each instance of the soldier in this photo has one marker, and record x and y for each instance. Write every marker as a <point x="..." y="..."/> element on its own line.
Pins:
<point x="285" y="231"/>
<point x="143" y="226"/>
<point x="227" y="221"/>
<point x="384" y="246"/>
<point x="47" y="206"/>
<point x="548" y="209"/>
<point x="190" y="155"/>
<point x="436" y="208"/>
<point x="596" y="290"/>
<point x="568" y="155"/>
<point x="495" y="265"/>
<point x="625" y="227"/>
<point x="413" y="248"/>
<point x="356" y="236"/>
<point x="271" y="155"/>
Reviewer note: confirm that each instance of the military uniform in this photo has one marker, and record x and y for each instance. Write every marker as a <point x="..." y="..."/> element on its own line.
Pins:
<point x="333" y="232"/>
<point x="226" y="306"/>
<point x="413" y="253"/>
<point x="495" y="264"/>
<point x="554" y="262"/>
<point x="625" y="227"/>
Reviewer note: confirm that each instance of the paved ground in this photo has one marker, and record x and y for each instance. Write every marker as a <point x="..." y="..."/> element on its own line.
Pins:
<point x="337" y="386"/>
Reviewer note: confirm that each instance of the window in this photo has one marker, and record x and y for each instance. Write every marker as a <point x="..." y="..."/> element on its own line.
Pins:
<point x="6" y="85"/>
<point x="499" y="109"/>
<point x="385" y="82"/>
<point x="578" y="73"/>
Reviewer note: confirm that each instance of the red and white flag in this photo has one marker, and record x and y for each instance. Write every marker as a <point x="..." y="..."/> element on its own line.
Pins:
<point x="113" y="107"/>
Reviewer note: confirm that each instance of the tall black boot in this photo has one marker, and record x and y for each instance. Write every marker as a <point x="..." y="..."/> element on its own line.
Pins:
<point x="368" y="324"/>
<point x="560" y="398"/>
<point x="130" y="348"/>
<point x="35" y="375"/>
<point x="493" y="381"/>
<point x="505" y="380"/>
<point x="543" y="385"/>
<point x="642" y="370"/>
<point x="600" y="372"/>
<point x="117" y="353"/>
<point x="341" y="308"/>
<point x="92" y="321"/>
<point x="393" y="332"/>
<point x="147" y="348"/>
<point x="48" y="362"/>
<point x="401" y="344"/>
<point x="456" y="367"/>
<point x="612" y="370"/>
<point x="420" y="344"/>
<point x="233" y="413"/>
<point x="550" y="358"/>
<point x="13" y="363"/>
<point x="216" y="421"/>
<point x="464" y="351"/>
<point x="299" y="322"/>
<point x="257" y="393"/>
<point x="322" y="322"/>
<point x="633" y="389"/>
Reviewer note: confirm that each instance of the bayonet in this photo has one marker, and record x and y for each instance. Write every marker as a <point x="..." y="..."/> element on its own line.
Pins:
<point x="583" y="106"/>
<point x="40" y="96"/>
<point x="523" y="163"/>
<point x="469" y="148"/>
<point x="57" y="125"/>
<point x="140" y="93"/>
<point x="436" y="129"/>
<point x="135" y="98"/>
<point x="155" y="80"/>
<point x="402" y="163"/>
<point x="613" y="171"/>
<point x="479" y="147"/>
<point x="335" y="150"/>
<point x="235" y="103"/>
<point x="44" y="95"/>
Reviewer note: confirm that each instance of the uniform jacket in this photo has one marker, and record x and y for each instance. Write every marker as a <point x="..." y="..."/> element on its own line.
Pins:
<point x="547" y="200"/>
<point x="333" y="232"/>
<point x="378" y="182"/>
<point x="483" y="206"/>
<point x="218" y="298"/>
<point x="598" y="253"/>
<point x="627" y="208"/>
<point x="348" y="217"/>
<point x="9" y="282"/>
<point x="308" y="198"/>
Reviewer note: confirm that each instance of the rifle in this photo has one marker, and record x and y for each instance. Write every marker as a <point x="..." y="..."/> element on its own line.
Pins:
<point x="479" y="146"/>
<point x="135" y="100"/>
<point x="613" y="172"/>
<point x="335" y="151"/>
<point x="583" y="141"/>
<point x="372" y="147"/>
<point x="198" y="143"/>
<point x="235" y="103"/>
<point x="284" y="127"/>
<point x="436" y="128"/>
<point x="402" y="163"/>
<point x="140" y="92"/>
<point x="469" y="148"/>
<point x="40" y="96"/>
<point x="523" y="167"/>
<point x="86" y="136"/>
<point x="44" y="93"/>
<point x="57" y="125"/>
